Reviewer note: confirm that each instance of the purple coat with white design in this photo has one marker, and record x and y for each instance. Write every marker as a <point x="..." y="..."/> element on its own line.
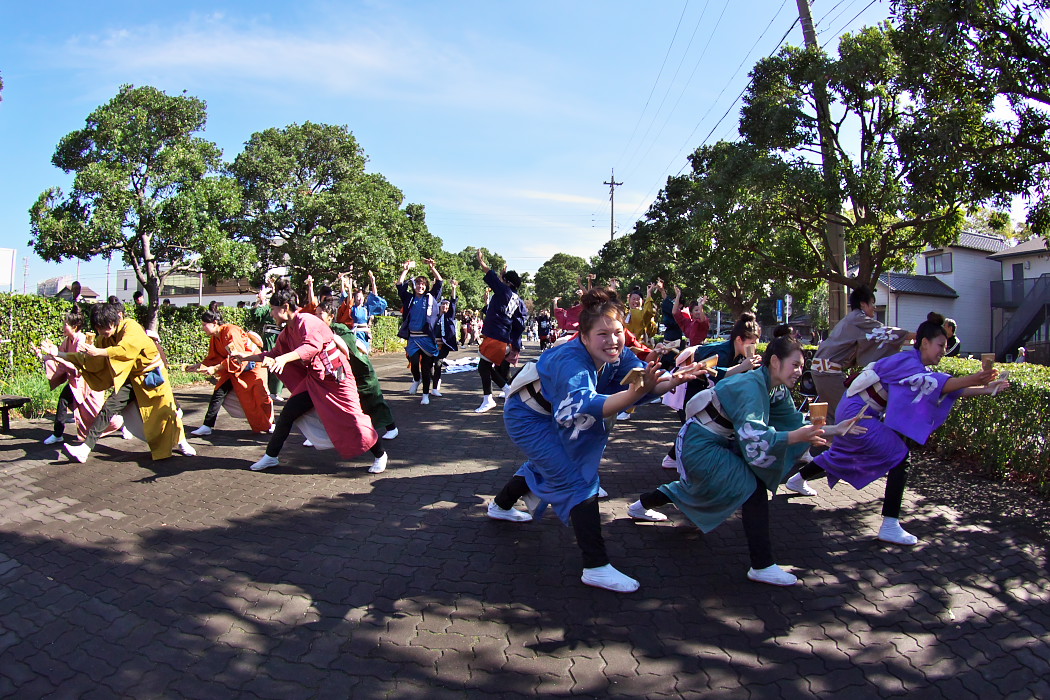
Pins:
<point x="915" y="408"/>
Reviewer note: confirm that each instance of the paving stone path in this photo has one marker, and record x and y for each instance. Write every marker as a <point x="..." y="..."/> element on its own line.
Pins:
<point x="196" y="578"/>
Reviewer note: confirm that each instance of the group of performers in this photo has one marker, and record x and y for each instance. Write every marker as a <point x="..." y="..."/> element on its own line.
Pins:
<point x="742" y="435"/>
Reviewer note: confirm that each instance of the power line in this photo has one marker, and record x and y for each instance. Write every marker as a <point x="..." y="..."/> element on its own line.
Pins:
<point x="828" y="13"/>
<point x="670" y="84"/>
<point x="720" y="120"/>
<point x="843" y="27"/>
<point x="688" y="81"/>
<point x="657" y="81"/>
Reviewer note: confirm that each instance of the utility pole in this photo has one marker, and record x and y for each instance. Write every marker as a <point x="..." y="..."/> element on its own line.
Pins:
<point x="25" y="274"/>
<point x="833" y="232"/>
<point x="613" y="184"/>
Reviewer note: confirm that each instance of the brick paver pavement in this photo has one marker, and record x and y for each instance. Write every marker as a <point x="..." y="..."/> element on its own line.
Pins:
<point x="197" y="578"/>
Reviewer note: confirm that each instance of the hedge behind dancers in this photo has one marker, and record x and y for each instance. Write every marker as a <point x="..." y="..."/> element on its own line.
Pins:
<point x="420" y="308"/>
<point x="557" y="412"/>
<point x="505" y="319"/>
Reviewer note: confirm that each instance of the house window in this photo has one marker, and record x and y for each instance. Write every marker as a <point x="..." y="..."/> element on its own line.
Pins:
<point x="938" y="263"/>
<point x="125" y="284"/>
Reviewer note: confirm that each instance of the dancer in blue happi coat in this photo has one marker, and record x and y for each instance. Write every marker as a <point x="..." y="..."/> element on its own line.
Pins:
<point x="419" y="313"/>
<point x="905" y="399"/>
<point x="559" y="413"/>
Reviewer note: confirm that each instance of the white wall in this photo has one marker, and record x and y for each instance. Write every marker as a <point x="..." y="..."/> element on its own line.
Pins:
<point x="971" y="274"/>
<point x="1038" y="264"/>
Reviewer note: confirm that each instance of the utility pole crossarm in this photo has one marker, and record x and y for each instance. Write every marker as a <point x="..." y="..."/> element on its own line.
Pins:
<point x="613" y="184"/>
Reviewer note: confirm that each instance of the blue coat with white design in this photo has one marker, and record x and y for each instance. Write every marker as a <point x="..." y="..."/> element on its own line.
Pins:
<point x="565" y="449"/>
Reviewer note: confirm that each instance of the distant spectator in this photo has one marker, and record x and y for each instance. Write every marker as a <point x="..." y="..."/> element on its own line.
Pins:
<point x="114" y="299"/>
<point x="214" y="305"/>
<point x="785" y="329"/>
<point x="138" y="298"/>
<point x="1022" y="355"/>
<point x="167" y="302"/>
<point x="954" y="344"/>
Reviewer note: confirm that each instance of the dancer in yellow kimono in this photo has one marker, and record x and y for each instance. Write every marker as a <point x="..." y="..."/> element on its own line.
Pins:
<point x="125" y="359"/>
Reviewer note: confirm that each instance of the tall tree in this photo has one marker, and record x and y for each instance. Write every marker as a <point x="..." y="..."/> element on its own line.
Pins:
<point x="997" y="52"/>
<point x="559" y="277"/>
<point x="144" y="187"/>
<point x="310" y="205"/>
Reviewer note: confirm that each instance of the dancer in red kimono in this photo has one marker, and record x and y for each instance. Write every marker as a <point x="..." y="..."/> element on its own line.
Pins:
<point x="318" y="377"/>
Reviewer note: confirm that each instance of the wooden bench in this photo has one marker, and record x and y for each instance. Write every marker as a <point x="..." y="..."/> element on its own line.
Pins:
<point x="6" y="404"/>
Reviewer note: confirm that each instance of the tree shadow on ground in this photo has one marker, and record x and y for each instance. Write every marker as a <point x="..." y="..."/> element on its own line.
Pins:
<point x="408" y="589"/>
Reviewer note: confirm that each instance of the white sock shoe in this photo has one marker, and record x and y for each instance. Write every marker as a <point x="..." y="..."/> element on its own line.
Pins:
<point x="487" y="404"/>
<point x="126" y="434"/>
<point x="892" y="532"/>
<point x="186" y="449"/>
<point x="435" y="392"/>
<point x="202" y="431"/>
<point x="265" y="463"/>
<point x="602" y="493"/>
<point x="610" y="579"/>
<point x="52" y="439"/>
<point x="499" y="394"/>
<point x="390" y="434"/>
<point x="512" y="514"/>
<point x="773" y="575"/>
<point x="636" y="511"/>
<point x="800" y="486"/>
<point x="379" y="465"/>
<point x="414" y="387"/>
<point x="425" y="400"/>
<point x="307" y="443"/>
<point x="669" y="462"/>
<point x="78" y="452"/>
<point x="623" y="415"/>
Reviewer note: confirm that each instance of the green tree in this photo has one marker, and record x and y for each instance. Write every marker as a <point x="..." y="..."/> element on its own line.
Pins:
<point x="559" y="277"/>
<point x="145" y="188"/>
<point x="310" y="205"/>
<point x="995" y="53"/>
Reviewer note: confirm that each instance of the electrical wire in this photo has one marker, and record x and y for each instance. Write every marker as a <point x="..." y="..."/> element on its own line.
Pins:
<point x="655" y="82"/>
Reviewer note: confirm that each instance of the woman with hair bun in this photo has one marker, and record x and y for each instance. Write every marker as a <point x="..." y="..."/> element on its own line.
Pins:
<point x="900" y="398"/>
<point x="558" y="412"/>
<point x="741" y="439"/>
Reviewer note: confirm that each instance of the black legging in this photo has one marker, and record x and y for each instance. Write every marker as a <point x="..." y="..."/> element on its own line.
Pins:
<point x="892" y="498"/>
<point x="585" y="517"/>
<point x="217" y="397"/>
<point x="65" y="400"/>
<point x="442" y="354"/>
<point x="297" y="406"/>
<point x="490" y="372"/>
<point x="422" y="366"/>
<point x="117" y="402"/>
<point x="754" y="514"/>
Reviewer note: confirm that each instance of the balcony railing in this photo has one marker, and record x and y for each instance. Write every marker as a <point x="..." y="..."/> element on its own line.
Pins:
<point x="1008" y="294"/>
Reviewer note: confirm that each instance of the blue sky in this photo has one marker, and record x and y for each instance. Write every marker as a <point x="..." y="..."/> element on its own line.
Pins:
<point x="502" y="118"/>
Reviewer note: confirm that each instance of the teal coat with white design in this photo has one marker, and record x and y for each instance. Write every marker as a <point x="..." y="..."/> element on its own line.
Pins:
<point x="720" y="472"/>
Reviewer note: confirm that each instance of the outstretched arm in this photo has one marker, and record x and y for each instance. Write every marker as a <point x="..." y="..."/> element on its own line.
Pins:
<point x="481" y="262"/>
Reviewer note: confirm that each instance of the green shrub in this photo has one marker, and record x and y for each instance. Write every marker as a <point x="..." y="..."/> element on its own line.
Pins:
<point x="1006" y="434"/>
<point x="34" y="319"/>
<point x="384" y="334"/>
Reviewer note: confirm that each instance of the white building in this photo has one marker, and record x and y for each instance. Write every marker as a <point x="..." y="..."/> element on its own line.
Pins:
<point x="955" y="284"/>
<point x="1020" y="299"/>
<point x="183" y="289"/>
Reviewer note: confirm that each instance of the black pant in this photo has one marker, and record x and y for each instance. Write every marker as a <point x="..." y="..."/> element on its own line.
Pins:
<point x="442" y="354"/>
<point x="217" y="397"/>
<point x="422" y="366"/>
<point x="892" y="498"/>
<point x="295" y="408"/>
<point x="585" y="517"/>
<point x="117" y="402"/>
<point x="65" y="400"/>
<point x="490" y="372"/>
<point x="754" y="514"/>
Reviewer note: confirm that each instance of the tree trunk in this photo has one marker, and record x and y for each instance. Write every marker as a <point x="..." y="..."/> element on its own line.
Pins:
<point x="152" y="302"/>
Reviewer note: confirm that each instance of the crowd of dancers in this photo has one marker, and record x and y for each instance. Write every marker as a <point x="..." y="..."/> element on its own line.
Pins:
<point x="742" y="435"/>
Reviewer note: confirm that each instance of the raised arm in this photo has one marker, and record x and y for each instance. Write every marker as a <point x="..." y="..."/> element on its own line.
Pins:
<point x="433" y="269"/>
<point x="481" y="261"/>
<point x="405" y="267"/>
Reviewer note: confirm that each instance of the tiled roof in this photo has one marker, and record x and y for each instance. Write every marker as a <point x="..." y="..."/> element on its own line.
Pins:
<point x="980" y="241"/>
<point x="1034" y="245"/>
<point x="924" y="285"/>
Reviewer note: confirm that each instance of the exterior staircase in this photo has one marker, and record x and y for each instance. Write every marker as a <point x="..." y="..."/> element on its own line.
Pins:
<point x="1032" y="306"/>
